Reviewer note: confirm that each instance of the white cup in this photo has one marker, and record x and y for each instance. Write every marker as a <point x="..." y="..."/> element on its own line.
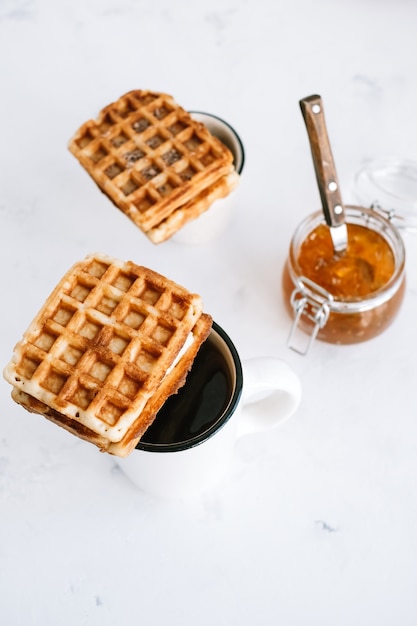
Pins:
<point x="262" y="392"/>
<point x="215" y="219"/>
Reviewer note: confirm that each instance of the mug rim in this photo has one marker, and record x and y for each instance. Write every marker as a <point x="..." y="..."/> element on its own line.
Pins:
<point x="224" y="417"/>
<point x="232" y="130"/>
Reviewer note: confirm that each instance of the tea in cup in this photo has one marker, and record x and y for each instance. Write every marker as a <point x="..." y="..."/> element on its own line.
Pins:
<point x="189" y="447"/>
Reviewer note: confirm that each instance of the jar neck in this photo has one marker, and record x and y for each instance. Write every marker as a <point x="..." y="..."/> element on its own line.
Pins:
<point x="368" y="218"/>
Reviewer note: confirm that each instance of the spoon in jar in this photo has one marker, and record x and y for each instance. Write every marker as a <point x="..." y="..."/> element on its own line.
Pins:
<point x="333" y="209"/>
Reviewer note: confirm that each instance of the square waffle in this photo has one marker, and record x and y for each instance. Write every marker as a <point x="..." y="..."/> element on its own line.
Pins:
<point x="110" y="344"/>
<point x="151" y="158"/>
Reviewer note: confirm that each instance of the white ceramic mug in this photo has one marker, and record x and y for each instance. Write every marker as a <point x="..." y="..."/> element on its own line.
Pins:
<point x="261" y="393"/>
<point x="215" y="219"/>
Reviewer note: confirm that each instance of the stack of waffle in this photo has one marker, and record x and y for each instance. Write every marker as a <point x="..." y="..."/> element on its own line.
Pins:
<point x="112" y="342"/>
<point x="155" y="162"/>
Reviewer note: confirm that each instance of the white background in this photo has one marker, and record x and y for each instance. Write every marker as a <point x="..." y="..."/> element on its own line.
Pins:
<point x="316" y="525"/>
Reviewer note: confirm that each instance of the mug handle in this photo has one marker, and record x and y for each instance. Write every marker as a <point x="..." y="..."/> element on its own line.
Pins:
<point x="271" y="394"/>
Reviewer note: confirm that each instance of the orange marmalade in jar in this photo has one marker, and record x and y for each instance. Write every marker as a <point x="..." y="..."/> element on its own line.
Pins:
<point x="346" y="297"/>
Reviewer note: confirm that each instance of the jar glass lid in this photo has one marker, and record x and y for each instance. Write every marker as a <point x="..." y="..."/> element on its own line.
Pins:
<point x="392" y="185"/>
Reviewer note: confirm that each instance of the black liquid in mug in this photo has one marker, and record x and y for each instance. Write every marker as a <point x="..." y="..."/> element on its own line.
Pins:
<point x="199" y="404"/>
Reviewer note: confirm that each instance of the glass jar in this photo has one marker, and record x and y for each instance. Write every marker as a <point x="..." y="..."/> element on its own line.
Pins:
<point x="348" y="319"/>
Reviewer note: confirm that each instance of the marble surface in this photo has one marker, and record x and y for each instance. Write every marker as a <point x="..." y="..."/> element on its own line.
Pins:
<point x="316" y="524"/>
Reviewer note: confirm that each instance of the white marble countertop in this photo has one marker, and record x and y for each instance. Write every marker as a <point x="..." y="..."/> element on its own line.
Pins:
<point x="317" y="523"/>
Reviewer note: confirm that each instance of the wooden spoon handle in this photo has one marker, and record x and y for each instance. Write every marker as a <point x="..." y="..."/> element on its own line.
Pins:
<point x="313" y="113"/>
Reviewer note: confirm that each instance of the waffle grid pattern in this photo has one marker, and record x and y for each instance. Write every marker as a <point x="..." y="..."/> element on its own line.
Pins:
<point x="149" y="156"/>
<point x="103" y="340"/>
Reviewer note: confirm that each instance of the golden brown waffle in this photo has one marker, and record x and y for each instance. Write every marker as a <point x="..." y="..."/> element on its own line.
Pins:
<point x="150" y="157"/>
<point x="100" y="357"/>
<point x="192" y="209"/>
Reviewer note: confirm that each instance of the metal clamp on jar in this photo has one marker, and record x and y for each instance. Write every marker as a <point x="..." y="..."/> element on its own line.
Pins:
<point x="344" y="278"/>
